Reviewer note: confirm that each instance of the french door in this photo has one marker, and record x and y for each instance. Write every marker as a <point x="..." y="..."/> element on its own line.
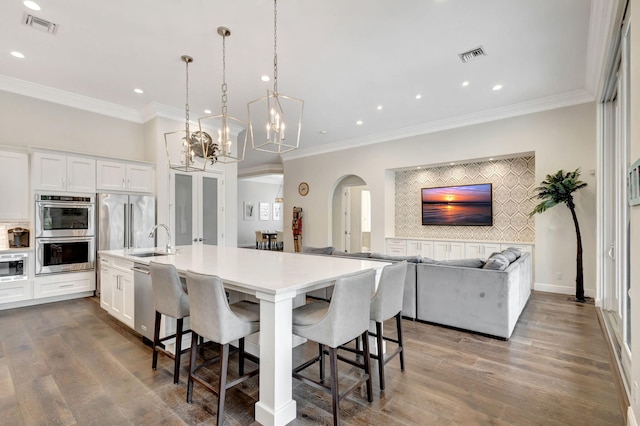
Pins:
<point x="197" y="201"/>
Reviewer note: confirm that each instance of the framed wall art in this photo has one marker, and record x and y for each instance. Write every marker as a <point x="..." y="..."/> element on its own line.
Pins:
<point x="264" y="211"/>
<point x="249" y="211"/>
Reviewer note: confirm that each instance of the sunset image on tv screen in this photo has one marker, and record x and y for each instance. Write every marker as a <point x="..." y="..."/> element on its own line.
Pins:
<point x="457" y="205"/>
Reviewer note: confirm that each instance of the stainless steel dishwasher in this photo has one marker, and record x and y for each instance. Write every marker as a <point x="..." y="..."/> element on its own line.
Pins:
<point x="144" y="318"/>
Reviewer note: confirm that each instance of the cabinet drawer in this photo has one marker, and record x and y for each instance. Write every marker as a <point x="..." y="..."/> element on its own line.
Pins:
<point x="67" y="285"/>
<point x="16" y="291"/>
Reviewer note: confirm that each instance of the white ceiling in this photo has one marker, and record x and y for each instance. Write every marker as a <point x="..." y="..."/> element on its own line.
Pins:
<point x="344" y="58"/>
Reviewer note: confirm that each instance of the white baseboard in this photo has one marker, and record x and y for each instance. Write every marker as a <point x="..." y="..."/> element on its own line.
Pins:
<point x="560" y="289"/>
<point x="631" y="418"/>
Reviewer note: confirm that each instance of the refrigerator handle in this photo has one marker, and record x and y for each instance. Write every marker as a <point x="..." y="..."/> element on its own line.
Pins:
<point x="131" y="227"/>
<point x="126" y="229"/>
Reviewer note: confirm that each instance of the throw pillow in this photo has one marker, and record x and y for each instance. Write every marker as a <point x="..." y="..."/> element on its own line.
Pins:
<point x="509" y="255"/>
<point x="515" y="251"/>
<point x="497" y="262"/>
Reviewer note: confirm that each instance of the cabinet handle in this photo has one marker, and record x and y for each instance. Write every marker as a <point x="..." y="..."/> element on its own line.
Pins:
<point x="69" y="183"/>
<point x="123" y="187"/>
<point x="128" y="183"/>
<point x="66" y="285"/>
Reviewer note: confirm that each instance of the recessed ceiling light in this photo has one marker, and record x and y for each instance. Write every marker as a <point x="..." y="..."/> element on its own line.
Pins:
<point x="452" y="164"/>
<point x="418" y="96"/>
<point x="207" y="111"/>
<point x="496" y="87"/>
<point x="490" y="159"/>
<point x="465" y="83"/>
<point x="379" y="107"/>
<point x="265" y="78"/>
<point x="323" y="132"/>
<point x="138" y="91"/>
<point x="359" y="122"/>
<point x="418" y="167"/>
<point x="17" y="55"/>
<point x="31" y="5"/>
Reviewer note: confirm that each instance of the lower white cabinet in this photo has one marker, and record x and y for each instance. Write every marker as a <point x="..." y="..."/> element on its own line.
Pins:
<point x="63" y="284"/>
<point x="396" y="247"/>
<point x="475" y="250"/>
<point x="448" y="250"/>
<point x="420" y="248"/>
<point x="116" y="289"/>
<point x="16" y="291"/>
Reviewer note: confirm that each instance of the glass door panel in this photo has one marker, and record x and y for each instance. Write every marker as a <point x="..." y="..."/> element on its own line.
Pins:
<point x="183" y="209"/>
<point x="210" y="210"/>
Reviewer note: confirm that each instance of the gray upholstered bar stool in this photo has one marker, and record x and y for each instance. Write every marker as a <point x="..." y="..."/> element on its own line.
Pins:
<point x="336" y="323"/>
<point x="170" y="299"/>
<point x="214" y="319"/>
<point x="386" y="303"/>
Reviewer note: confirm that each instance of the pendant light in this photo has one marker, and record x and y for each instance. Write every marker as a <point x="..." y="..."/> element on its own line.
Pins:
<point x="224" y="125"/>
<point x="279" y="131"/>
<point x="191" y="144"/>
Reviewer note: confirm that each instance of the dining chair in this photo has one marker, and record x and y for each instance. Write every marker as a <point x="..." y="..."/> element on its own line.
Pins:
<point x="336" y="323"/>
<point x="280" y="240"/>
<point x="260" y="240"/>
<point x="169" y="299"/>
<point x="213" y="318"/>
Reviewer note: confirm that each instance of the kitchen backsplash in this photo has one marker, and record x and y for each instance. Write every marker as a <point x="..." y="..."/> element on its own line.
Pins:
<point x="4" y="227"/>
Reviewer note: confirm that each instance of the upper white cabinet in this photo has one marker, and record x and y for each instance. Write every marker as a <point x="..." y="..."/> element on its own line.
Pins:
<point x="63" y="173"/>
<point x="121" y="176"/>
<point x="14" y="186"/>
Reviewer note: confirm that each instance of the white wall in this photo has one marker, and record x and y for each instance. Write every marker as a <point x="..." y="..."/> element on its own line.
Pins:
<point x="560" y="139"/>
<point x="256" y="193"/>
<point x="26" y="121"/>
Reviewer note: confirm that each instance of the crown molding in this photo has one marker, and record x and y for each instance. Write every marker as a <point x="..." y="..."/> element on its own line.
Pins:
<point x="536" y="105"/>
<point x="154" y="110"/>
<point x="73" y="100"/>
<point x="265" y="169"/>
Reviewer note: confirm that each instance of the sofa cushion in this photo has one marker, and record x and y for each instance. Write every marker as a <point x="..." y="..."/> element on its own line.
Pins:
<point x="497" y="262"/>
<point x="465" y="263"/>
<point x="317" y="250"/>
<point x="358" y="255"/>
<point x="410" y="259"/>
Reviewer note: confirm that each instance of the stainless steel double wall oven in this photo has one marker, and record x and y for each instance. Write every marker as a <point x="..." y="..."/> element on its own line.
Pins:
<point x="64" y="233"/>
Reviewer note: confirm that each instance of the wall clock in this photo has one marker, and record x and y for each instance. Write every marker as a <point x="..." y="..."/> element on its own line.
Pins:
<point x="303" y="188"/>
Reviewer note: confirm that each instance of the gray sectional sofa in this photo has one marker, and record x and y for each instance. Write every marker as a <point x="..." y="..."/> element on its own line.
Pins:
<point x="462" y="293"/>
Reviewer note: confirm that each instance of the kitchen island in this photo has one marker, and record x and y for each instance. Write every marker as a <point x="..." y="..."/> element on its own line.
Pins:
<point x="275" y="278"/>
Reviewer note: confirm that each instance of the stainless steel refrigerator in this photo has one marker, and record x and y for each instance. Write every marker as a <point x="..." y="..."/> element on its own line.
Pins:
<point x="124" y="221"/>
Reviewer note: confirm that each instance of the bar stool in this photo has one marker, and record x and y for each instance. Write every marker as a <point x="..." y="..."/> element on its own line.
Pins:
<point x="386" y="303"/>
<point x="334" y="324"/>
<point x="170" y="299"/>
<point x="214" y="319"/>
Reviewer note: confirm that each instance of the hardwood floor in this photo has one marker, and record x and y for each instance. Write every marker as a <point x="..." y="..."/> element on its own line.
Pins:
<point x="70" y="363"/>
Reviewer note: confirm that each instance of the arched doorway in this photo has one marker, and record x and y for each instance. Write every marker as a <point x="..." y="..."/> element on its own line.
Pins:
<point x="351" y="215"/>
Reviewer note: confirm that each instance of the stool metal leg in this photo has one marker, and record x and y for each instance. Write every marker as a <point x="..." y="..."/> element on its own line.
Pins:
<point x="192" y="365"/>
<point x="335" y="392"/>
<point x="156" y="339"/>
<point x="176" y="363"/>
<point x="380" y="354"/>
<point x="224" y="363"/>
<point x="399" y="326"/>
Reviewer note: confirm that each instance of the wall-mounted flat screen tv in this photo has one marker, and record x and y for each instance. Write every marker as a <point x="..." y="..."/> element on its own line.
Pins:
<point x="457" y="205"/>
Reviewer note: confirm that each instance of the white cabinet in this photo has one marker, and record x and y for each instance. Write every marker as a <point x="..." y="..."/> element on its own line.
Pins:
<point x="63" y="284"/>
<point x="121" y="176"/>
<point x="63" y="173"/>
<point x="16" y="291"/>
<point x="448" y="250"/>
<point x="14" y="186"/>
<point x="396" y="247"/>
<point x="420" y="248"/>
<point x="475" y="250"/>
<point x="116" y="289"/>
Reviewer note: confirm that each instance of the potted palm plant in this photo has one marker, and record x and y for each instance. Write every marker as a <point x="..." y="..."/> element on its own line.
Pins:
<point x="556" y="189"/>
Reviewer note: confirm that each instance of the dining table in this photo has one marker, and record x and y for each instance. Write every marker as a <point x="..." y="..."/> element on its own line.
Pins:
<point x="271" y="238"/>
<point x="275" y="278"/>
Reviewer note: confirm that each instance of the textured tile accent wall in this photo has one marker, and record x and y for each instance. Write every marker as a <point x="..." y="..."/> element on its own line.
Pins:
<point x="513" y="183"/>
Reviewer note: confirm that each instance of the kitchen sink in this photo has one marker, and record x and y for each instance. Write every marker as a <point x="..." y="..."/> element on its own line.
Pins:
<point x="150" y="254"/>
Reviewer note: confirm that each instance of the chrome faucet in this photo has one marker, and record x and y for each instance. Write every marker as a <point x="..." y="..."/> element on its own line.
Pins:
<point x="170" y="248"/>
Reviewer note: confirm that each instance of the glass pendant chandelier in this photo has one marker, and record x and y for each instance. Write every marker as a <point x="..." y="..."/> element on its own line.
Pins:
<point x="279" y="131"/>
<point x="189" y="144"/>
<point x="224" y="126"/>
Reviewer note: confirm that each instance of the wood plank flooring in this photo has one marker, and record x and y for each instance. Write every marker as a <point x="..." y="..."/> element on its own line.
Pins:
<point x="70" y="363"/>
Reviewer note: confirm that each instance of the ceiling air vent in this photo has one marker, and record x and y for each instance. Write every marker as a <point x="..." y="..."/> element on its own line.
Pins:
<point x="39" y="24"/>
<point x="472" y="54"/>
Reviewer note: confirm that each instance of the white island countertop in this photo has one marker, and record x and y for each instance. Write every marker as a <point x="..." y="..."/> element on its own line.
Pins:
<point x="275" y="278"/>
<point x="253" y="271"/>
